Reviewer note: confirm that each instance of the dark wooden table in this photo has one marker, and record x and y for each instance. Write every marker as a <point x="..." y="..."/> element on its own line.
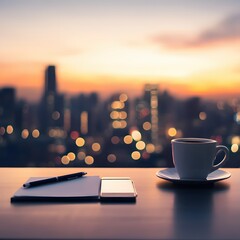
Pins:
<point x="162" y="210"/>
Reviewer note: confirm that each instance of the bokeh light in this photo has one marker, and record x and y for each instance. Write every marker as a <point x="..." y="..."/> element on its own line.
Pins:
<point x="89" y="160"/>
<point x="136" y="135"/>
<point x="80" y="142"/>
<point x="136" y="155"/>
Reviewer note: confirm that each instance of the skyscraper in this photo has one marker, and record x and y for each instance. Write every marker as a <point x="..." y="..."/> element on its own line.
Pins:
<point x="151" y="95"/>
<point x="83" y="114"/>
<point x="50" y="80"/>
<point x="52" y="105"/>
<point x="7" y="105"/>
<point x="147" y="115"/>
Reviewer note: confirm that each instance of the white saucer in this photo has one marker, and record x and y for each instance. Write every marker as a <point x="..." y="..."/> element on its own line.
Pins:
<point x="171" y="174"/>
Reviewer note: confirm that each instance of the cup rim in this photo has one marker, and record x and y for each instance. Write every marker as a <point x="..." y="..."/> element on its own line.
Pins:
<point x="190" y="140"/>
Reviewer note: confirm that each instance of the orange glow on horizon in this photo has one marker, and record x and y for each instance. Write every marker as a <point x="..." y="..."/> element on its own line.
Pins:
<point x="202" y="86"/>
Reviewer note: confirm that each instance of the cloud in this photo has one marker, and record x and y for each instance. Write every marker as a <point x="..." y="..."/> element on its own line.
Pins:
<point x="227" y="30"/>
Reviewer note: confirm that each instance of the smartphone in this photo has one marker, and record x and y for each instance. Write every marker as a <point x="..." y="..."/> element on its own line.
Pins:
<point x="117" y="188"/>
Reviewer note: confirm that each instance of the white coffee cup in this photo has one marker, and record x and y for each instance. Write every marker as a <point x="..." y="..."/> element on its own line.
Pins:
<point x="194" y="157"/>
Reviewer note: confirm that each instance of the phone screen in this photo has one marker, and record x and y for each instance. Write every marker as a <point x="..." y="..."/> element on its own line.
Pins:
<point x="117" y="187"/>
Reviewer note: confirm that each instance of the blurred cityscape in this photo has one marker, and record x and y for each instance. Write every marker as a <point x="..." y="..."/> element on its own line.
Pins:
<point x="85" y="130"/>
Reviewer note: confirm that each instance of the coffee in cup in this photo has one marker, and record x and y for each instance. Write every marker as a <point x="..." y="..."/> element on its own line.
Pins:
<point x="194" y="157"/>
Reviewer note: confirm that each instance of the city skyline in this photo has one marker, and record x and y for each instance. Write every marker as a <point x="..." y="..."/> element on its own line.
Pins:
<point x="189" y="49"/>
<point x="85" y="130"/>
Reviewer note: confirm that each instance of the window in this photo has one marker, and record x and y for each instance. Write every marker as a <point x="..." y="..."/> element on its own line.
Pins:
<point x="110" y="83"/>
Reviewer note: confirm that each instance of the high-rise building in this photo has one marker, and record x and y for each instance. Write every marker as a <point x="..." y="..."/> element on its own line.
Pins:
<point x="52" y="105"/>
<point x="50" y="80"/>
<point x="7" y="105"/>
<point x="147" y="115"/>
<point x="151" y="93"/>
<point x="83" y="114"/>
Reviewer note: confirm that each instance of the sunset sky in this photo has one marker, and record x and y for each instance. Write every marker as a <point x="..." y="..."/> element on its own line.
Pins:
<point x="188" y="47"/>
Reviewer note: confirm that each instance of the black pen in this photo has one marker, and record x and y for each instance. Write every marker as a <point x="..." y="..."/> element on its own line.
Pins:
<point x="54" y="179"/>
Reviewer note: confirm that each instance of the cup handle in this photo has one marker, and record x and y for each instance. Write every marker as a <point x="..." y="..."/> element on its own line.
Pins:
<point x="220" y="148"/>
